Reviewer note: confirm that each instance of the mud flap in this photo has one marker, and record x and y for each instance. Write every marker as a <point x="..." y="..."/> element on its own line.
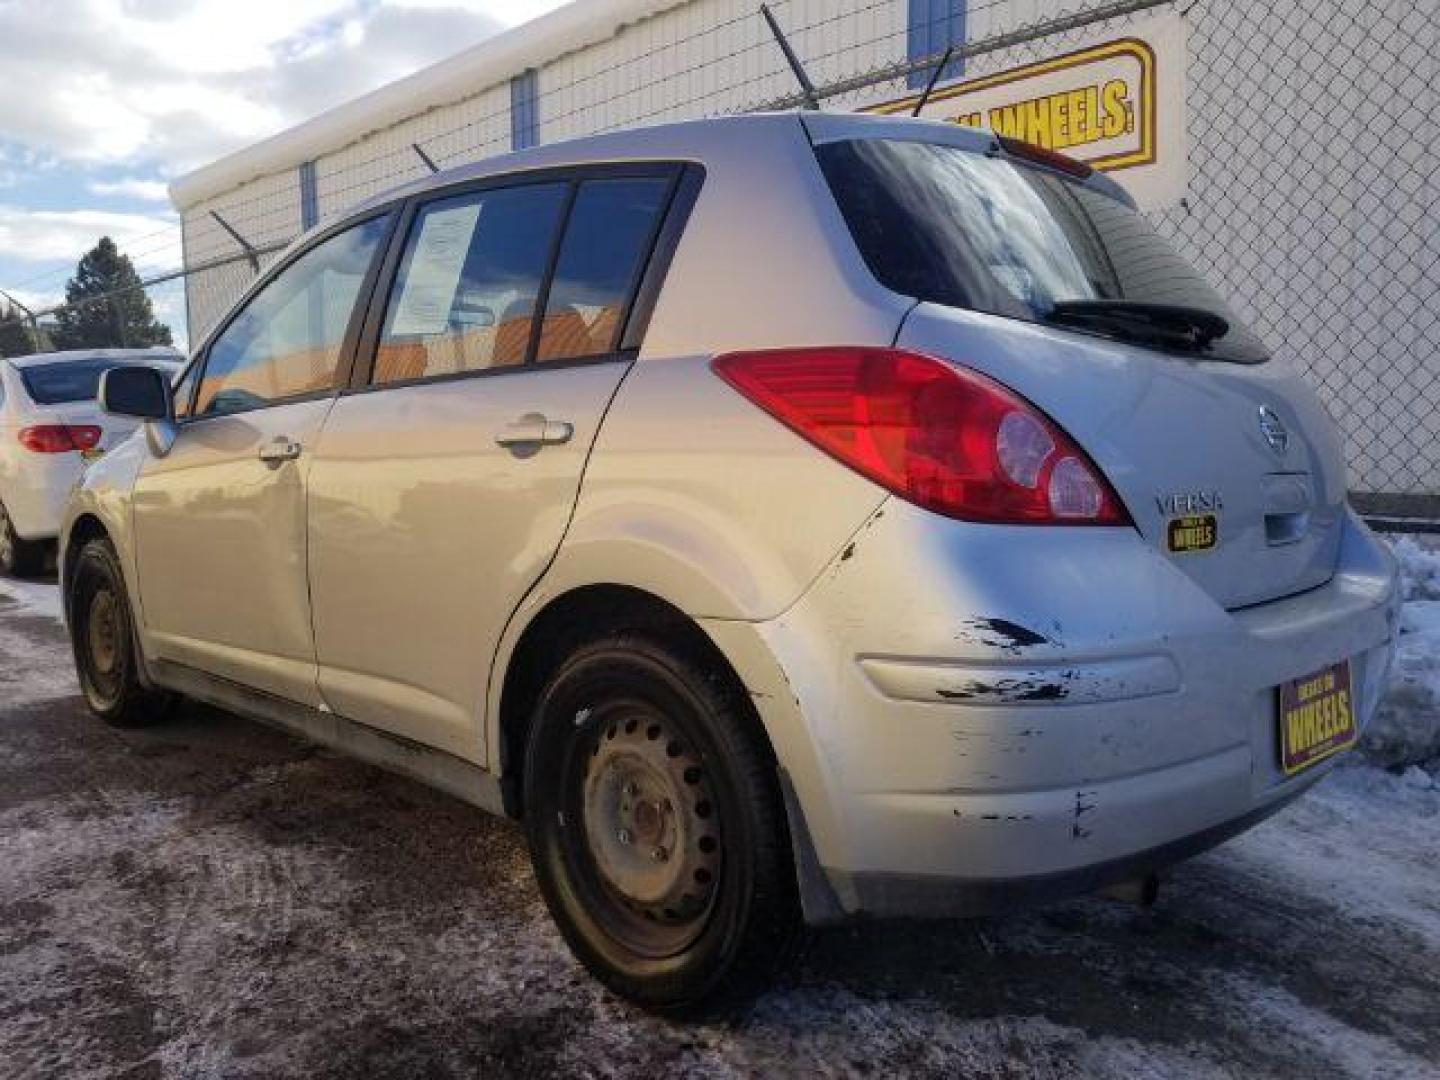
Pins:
<point x="819" y="903"/>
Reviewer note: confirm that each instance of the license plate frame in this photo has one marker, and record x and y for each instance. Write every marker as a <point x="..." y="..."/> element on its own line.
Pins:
<point x="1315" y="717"/>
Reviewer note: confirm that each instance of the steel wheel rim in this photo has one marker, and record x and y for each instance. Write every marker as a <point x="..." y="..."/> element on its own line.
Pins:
<point x="649" y="829"/>
<point x="103" y="641"/>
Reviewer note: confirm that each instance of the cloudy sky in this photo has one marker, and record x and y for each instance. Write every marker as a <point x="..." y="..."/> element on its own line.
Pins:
<point x="103" y="101"/>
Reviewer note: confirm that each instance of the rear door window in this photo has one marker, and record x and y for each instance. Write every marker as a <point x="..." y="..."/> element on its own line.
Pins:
<point x="607" y="239"/>
<point x="465" y="295"/>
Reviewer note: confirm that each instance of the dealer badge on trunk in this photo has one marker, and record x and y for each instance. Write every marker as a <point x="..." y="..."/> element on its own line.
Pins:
<point x="1194" y="521"/>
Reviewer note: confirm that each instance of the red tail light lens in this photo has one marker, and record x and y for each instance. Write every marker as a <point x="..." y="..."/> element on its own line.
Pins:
<point x="944" y="437"/>
<point x="1051" y="159"/>
<point x="59" y="438"/>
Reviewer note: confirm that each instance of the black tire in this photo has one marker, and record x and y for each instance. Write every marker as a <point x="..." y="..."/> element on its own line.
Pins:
<point x="102" y="635"/>
<point x="19" y="558"/>
<point x="631" y="702"/>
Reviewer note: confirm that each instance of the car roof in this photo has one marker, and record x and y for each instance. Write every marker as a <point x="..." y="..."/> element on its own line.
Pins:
<point x="681" y="140"/>
<point x="695" y="140"/>
<point x="163" y="353"/>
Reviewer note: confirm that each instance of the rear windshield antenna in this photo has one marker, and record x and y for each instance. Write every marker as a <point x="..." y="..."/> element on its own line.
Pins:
<point x="934" y="78"/>
<point x="807" y="88"/>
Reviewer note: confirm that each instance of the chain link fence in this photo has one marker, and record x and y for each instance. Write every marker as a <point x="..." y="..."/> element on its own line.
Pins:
<point x="1313" y="196"/>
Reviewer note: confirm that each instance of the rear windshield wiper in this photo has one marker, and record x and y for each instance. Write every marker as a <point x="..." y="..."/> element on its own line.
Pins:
<point x="1171" y="325"/>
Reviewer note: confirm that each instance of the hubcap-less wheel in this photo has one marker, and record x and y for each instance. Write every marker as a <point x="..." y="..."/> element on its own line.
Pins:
<point x="104" y="641"/>
<point x="101" y="631"/>
<point x="651" y="832"/>
<point x="99" y="635"/>
<point x="656" y="822"/>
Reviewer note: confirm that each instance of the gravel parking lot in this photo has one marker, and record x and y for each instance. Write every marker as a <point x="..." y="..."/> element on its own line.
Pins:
<point x="214" y="898"/>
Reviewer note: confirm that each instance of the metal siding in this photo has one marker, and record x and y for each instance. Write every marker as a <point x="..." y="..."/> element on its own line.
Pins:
<point x="469" y="130"/>
<point x="709" y="57"/>
<point x="265" y="211"/>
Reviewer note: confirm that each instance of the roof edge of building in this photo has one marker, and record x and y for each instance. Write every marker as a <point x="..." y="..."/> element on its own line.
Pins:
<point x="478" y="68"/>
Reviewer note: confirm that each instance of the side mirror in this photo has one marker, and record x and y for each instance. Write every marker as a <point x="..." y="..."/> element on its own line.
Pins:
<point x="139" y="392"/>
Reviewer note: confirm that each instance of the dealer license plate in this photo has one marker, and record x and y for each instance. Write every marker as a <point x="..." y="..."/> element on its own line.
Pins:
<point x="1317" y="717"/>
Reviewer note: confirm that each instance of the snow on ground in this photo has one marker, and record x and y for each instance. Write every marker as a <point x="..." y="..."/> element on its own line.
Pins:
<point x="211" y="898"/>
<point x="1406" y="730"/>
<point x="27" y="671"/>
<point x="31" y="597"/>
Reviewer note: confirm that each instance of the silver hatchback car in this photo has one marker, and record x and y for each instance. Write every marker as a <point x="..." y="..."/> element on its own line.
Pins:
<point x="788" y="517"/>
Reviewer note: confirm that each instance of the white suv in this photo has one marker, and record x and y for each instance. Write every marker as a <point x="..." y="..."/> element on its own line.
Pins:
<point x="783" y="515"/>
<point x="50" y="427"/>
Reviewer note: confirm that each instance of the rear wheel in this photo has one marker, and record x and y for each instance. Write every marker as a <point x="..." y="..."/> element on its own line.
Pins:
<point x="103" y="638"/>
<point x="19" y="558"/>
<point x="656" y="825"/>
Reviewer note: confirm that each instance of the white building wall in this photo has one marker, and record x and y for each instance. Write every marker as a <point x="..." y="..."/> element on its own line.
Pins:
<point x="266" y="212"/>
<point x="1313" y="199"/>
<point x="476" y="127"/>
<point x="709" y="57"/>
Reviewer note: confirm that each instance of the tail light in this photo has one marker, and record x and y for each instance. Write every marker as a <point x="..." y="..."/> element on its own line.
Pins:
<point x="59" y="438"/>
<point x="943" y="437"/>
<point x="1039" y="155"/>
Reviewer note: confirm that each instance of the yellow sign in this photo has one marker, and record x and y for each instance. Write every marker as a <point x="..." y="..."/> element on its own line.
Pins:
<point x="1116" y="104"/>
<point x="1317" y="717"/>
<point x="1194" y="532"/>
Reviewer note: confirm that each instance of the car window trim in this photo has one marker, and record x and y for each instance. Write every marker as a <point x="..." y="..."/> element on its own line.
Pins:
<point x="686" y="175"/>
<point x="626" y="356"/>
<point x="345" y="368"/>
<point x="542" y="295"/>
<point x="665" y="241"/>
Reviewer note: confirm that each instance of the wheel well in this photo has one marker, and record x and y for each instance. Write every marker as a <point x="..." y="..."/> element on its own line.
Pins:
<point x="86" y="528"/>
<point x="566" y="623"/>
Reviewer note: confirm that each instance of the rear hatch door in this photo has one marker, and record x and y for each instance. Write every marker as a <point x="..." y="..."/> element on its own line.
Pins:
<point x="1184" y="442"/>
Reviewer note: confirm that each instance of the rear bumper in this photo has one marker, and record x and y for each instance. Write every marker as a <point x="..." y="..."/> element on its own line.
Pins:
<point x="972" y="716"/>
<point x="36" y="500"/>
<point x="939" y="896"/>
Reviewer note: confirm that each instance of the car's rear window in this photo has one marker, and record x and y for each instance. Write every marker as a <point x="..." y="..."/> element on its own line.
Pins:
<point x="965" y="229"/>
<point x="67" y="381"/>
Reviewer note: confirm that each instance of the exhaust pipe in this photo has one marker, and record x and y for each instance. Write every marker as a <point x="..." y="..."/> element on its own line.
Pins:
<point x="1141" y="891"/>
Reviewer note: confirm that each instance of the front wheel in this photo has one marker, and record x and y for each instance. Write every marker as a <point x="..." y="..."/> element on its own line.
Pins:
<point x="103" y="637"/>
<point x="18" y="557"/>
<point x="656" y="825"/>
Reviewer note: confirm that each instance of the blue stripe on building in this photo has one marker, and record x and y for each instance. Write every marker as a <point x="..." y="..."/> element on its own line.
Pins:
<point x="309" y="195"/>
<point x="933" y="25"/>
<point x="524" y="110"/>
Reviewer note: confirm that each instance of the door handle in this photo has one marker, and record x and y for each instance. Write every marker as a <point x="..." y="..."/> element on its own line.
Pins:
<point x="532" y="429"/>
<point x="280" y="450"/>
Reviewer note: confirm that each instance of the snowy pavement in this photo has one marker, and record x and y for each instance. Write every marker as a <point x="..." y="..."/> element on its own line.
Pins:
<point x="213" y="898"/>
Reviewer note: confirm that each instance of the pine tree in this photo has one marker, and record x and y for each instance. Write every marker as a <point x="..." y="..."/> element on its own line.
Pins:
<point x="124" y="320"/>
<point x="15" y="336"/>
